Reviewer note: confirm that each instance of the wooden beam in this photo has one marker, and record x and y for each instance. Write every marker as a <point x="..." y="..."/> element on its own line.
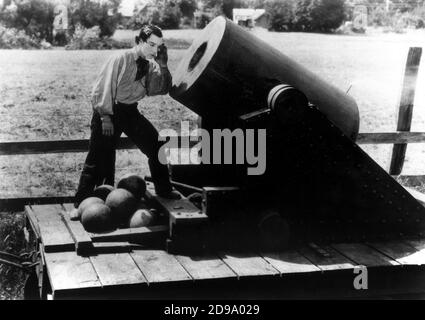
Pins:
<point x="54" y="146"/>
<point x="150" y="234"/>
<point x="83" y="242"/>
<point x="18" y="204"/>
<point x="63" y="146"/>
<point x="399" y="137"/>
<point x="406" y="107"/>
<point x="73" y="146"/>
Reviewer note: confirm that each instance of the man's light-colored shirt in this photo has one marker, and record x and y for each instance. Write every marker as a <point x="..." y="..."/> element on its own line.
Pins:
<point x="116" y="82"/>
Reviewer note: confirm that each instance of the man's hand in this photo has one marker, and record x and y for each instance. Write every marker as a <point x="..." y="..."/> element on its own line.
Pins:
<point x="155" y="67"/>
<point x="107" y="126"/>
<point x="162" y="56"/>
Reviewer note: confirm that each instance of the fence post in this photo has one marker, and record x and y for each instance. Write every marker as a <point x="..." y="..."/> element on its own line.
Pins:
<point x="405" y="111"/>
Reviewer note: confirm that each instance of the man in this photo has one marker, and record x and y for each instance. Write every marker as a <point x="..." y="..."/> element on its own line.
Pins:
<point x="123" y="81"/>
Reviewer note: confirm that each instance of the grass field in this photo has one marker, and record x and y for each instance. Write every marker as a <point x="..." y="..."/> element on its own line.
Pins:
<point x="44" y="95"/>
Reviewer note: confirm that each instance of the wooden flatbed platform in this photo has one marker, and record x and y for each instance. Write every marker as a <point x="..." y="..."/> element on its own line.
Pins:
<point x="125" y="270"/>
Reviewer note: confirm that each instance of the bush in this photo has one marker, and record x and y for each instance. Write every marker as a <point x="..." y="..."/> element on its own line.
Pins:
<point x="186" y="22"/>
<point x="419" y="17"/>
<point x="11" y="38"/>
<point x="90" y="39"/>
<point x="188" y="7"/>
<point x="302" y="18"/>
<point x="327" y="15"/>
<point x="61" y="38"/>
<point x="379" y="17"/>
<point x="202" y="20"/>
<point x="165" y="14"/>
<point x="90" y="13"/>
<point x="170" y="16"/>
<point x="305" y="15"/>
<point x="35" y="17"/>
<point x="348" y="28"/>
<point x="281" y="14"/>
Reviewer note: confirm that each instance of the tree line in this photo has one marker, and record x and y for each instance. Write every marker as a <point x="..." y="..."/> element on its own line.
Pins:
<point x="34" y="18"/>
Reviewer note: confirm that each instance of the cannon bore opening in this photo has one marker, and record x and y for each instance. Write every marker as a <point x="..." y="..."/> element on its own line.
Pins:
<point x="197" y="56"/>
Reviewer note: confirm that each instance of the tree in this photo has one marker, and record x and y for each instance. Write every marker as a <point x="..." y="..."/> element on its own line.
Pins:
<point x="281" y="14"/>
<point x="225" y="7"/>
<point x="327" y="15"/>
<point x="90" y="13"/>
<point x="170" y="16"/>
<point x="302" y="17"/>
<point x="229" y="5"/>
<point x="188" y="7"/>
<point x="35" y="17"/>
<point x="164" y="13"/>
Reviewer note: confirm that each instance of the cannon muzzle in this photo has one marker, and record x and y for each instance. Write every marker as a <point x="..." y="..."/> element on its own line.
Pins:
<point x="229" y="72"/>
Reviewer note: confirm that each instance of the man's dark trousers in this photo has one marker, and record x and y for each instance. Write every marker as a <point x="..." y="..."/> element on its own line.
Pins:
<point x="99" y="167"/>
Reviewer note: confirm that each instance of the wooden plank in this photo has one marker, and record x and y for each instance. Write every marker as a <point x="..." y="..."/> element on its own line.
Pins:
<point x="181" y="211"/>
<point x="64" y="146"/>
<point x="54" y="146"/>
<point x="406" y="106"/>
<point x="364" y="255"/>
<point x="53" y="231"/>
<point x="326" y="258"/>
<point x="159" y="266"/>
<point x="401" y="252"/>
<point x="47" y="213"/>
<point x="206" y="266"/>
<point x="141" y="234"/>
<point x="81" y="145"/>
<point x="83" y="242"/>
<point x="398" y="137"/>
<point x="117" y="269"/>
<point x="18" y="204"/>
<point x="33" y="221"/>
<point x="69" y="271"/>
<point x="289" y="262"/>
<point x="248" y="264"/>
<point x="112" y="247"/>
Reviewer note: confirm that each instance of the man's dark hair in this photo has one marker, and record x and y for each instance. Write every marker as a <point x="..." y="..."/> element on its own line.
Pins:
<point x="146" y="31"/>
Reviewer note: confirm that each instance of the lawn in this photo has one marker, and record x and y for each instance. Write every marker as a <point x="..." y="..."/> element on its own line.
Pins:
<point x="44" y="95"/>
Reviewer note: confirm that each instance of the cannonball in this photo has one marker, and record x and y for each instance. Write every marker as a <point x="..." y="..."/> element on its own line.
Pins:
<point x="122" y="203"/>
<point x="273" y="231"/>
<point x="86" y="202"/>
<point x="141" y="218"/>
<point x="133" y="183"/>
<point x="103" y="191"/>
<point x="97" y="217"/>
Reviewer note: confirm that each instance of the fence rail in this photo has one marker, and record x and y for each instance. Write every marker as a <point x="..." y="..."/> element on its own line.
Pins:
<point x="82" y="145"/>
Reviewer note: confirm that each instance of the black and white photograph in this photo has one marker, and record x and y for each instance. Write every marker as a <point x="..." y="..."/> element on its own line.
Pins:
<point x="212" y="155"/>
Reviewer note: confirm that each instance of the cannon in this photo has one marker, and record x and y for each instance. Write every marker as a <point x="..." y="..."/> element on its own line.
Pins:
<point x="318" y="183"/>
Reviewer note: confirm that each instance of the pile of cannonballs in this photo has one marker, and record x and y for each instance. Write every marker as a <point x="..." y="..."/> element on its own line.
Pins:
<point x="122" y="207"/>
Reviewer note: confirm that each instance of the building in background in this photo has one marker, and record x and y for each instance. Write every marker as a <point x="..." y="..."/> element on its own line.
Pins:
<point x="250" y="18"/>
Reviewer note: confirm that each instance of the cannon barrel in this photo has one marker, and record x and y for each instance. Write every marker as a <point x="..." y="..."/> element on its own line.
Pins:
<point x="229" y="72"/>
